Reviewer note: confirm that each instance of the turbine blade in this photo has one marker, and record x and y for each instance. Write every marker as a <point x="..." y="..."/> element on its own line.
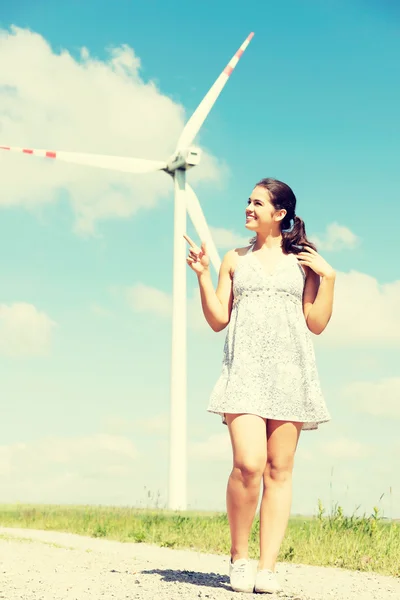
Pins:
<point x="124" y="164"/>
<point x="197" y="119"/>
<point x="200" y="224"/>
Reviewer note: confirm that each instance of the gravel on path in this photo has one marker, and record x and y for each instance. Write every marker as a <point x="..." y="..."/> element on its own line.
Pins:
<point x="48" y="565"/>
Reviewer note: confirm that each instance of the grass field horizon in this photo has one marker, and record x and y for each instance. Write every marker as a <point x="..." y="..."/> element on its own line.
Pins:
<point x="368" y="542"/>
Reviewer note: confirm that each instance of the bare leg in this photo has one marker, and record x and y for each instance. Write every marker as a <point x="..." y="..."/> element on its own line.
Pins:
<point x="282" y="439"/>
<point x="249" y="444"/>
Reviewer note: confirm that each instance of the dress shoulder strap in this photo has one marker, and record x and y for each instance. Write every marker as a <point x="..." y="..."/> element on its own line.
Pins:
<point x="250" y="248"/>
<point x="241" y="257"/>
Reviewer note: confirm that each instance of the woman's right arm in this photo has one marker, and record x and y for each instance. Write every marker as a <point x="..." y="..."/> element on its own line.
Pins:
<point x="217" y="305"/>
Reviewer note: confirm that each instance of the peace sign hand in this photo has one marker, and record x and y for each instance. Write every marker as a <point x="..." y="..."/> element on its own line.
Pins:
<point x="198" y="258"/>
<point x="310" y="258"/>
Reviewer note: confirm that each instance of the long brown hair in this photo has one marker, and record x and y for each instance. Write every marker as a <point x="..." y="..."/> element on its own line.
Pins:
<point x="292" y="227"/>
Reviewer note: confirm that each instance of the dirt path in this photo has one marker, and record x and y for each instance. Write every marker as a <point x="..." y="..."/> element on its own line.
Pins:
<point x="46" y="565"/>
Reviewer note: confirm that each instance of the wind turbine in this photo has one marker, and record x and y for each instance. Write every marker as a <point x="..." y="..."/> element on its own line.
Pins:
<point x="185" y="157"/>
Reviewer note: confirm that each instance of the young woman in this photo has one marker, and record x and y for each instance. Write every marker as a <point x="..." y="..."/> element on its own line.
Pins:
<point x="272" y="294"/>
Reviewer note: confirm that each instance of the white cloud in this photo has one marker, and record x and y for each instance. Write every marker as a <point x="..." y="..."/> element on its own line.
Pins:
<point x="377" y="398"/>
<point x="227" y="239"/>
<point x="83" y="454"/>
<point x="304" y="455"/>
<point x="354" y="321"/>
<point x="215" y="447"/>
<point x="344" y="448"/>
<point x="73" y="469"/>
<point x="157" y="424"/>
<point x="336" y="237"/>
<point x="24" y="330"/>
<point x="143" y="298"/>
<point x="108" y="469"/>
<point x="146" y="299"/>
<point x="100" y="311"/>
<point x="218" y="447"/>
<point x="196" y="319"/>
<point x="54" y="101"/>
<point x="364" y="312"/>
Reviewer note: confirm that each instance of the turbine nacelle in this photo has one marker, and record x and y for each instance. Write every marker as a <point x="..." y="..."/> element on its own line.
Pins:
<point x="184" y="159"/>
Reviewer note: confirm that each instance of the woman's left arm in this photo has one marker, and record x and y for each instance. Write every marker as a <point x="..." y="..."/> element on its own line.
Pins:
<point x="318" y="290"/>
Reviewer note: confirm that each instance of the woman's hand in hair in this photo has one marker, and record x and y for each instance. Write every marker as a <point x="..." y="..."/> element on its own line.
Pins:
<point x="310" y="258"/>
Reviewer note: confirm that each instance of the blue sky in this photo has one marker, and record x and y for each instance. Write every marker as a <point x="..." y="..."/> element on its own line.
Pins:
<point x="87" y="255"/>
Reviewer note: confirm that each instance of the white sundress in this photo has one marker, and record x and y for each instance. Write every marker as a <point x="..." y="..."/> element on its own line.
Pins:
<point x="269" y="366"/>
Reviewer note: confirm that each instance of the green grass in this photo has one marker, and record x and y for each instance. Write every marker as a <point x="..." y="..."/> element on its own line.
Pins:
<point x="365" y="543"/>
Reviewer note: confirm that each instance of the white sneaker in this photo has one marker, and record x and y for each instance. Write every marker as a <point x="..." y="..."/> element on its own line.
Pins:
<point x="266" y="582"/>
<point x="241" y="574"/>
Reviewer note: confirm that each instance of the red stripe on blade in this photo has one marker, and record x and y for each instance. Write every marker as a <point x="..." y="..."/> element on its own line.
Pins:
<point x="228" y="70"/>
<point x="251" y="36"/>
<point x="51" y="155"/>
<point x="4" y="147"/>
<point x="239" y="53"/>
<point x="27" y="151"/>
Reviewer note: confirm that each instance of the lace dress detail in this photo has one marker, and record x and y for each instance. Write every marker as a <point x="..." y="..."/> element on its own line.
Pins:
<point x="269" y="366"/>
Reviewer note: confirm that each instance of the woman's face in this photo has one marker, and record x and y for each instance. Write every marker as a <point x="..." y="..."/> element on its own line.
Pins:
<point x="261" y="215"/>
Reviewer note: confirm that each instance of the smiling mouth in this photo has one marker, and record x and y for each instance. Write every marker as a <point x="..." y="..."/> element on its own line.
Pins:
<point x="249" y="218"/>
